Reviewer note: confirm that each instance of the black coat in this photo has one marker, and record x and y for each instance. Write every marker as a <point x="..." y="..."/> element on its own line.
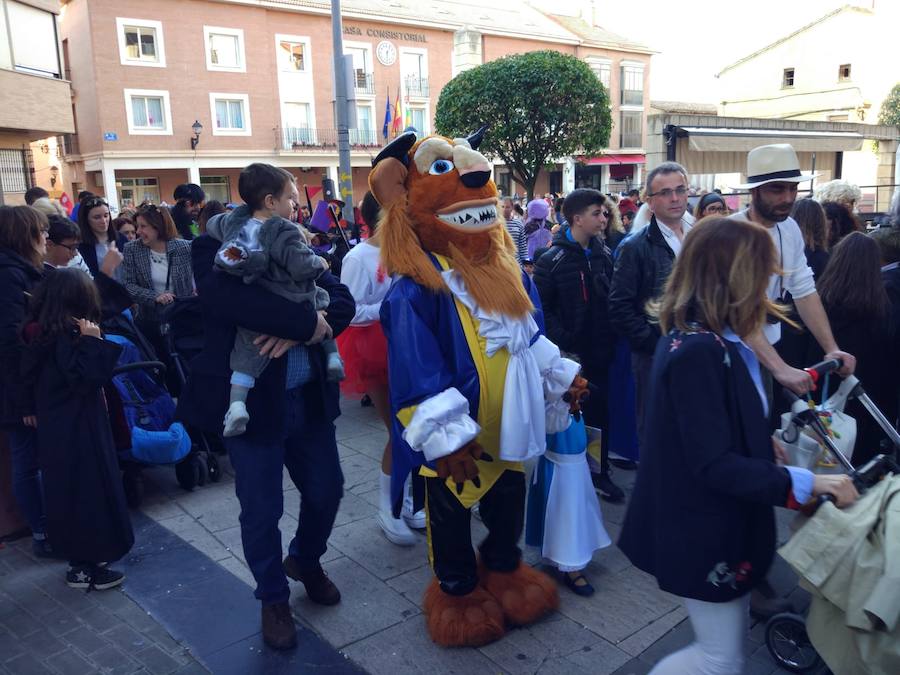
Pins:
<point x="87" y="518"/>
<point x="873" y="341"/>
<point x="228" y="302"/>
<point x="643" y="264"/>
<point x="574" y="289"/>
<point x="702" y="504"/>
<point x="17" y="277"/>
<point x="89" y="253"/>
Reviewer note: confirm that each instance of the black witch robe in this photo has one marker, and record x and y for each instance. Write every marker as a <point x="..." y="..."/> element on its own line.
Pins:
<point x="87" y="517"/>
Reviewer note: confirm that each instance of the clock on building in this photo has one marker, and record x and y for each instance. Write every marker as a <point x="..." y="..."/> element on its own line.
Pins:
<point x="386" y="53"/>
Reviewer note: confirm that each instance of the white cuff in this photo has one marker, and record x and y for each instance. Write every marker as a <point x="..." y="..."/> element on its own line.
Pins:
<point x="557" y="415"/>
<point x="441" y="425"/>
<point x="557" y="372"/>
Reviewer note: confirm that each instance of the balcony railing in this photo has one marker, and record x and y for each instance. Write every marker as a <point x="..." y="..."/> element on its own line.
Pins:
<point x="632" y="97"/>
<point x="630" y="140"/>
<point x="67" y="144"/>
<point x="304" y="138"/>
<point x="364" y="83"/>
<point x="417" y="86"/>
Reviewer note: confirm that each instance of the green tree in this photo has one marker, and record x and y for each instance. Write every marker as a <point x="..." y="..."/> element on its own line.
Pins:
<point x="540" y="105"/>
<point x="890" y="108"/>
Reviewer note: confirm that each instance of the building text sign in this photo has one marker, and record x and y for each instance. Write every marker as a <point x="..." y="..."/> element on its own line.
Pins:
<point x="384" y="34"/>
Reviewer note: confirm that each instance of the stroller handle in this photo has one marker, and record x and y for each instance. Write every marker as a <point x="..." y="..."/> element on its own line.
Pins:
<point x="140" y="365"/>
<point x="820" y="369"/>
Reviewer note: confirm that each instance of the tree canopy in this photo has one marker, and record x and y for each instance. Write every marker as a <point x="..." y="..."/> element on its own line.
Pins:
<point x="890" y="108"/>
<point x="538" y="106"/>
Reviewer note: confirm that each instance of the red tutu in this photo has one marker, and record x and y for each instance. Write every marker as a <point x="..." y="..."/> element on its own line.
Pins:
<point x="364" y="351"/>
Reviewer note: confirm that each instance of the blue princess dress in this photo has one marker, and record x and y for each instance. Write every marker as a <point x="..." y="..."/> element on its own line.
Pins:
<point x="563" y="516"/>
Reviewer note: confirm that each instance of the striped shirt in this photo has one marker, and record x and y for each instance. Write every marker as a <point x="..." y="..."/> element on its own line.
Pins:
<point x="514" y="227"/>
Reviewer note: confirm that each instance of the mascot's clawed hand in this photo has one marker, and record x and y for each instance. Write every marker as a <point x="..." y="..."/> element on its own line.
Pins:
<point x="577" y="394"/>
<point x="461" y="465"/>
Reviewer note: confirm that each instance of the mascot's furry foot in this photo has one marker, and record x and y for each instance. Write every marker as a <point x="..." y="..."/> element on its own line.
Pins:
<point x="524" y="594"/>
<point x="469" y="620"/>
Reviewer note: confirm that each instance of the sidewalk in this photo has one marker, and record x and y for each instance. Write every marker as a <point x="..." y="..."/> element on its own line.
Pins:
<point x="182" y="583"/>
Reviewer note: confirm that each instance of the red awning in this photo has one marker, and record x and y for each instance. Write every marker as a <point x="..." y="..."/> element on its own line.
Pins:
<point x="614" y="159"/>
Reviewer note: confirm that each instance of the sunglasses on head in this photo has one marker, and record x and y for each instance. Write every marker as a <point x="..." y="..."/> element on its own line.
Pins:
<point x="94" y="201"/>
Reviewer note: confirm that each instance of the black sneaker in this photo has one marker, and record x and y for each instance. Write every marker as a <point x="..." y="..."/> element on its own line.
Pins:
<point x="93" y="577"/>
<point x="608" y="490"/>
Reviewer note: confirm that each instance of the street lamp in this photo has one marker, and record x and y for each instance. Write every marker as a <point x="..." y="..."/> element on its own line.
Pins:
<point x="196" y="127"/>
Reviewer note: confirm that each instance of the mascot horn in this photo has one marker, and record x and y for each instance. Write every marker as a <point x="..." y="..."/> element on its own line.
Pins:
<point x="475" y="385"/>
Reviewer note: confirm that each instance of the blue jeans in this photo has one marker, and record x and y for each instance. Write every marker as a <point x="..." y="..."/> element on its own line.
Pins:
<point x="309" y="451"/>
<point x="26" y="477"/>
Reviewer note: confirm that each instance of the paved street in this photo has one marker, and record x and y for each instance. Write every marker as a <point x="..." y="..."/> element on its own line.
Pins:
<point x="187" y="604"/>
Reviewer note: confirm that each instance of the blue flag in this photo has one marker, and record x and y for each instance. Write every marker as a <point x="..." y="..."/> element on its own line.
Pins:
<point x="387" y="115"/>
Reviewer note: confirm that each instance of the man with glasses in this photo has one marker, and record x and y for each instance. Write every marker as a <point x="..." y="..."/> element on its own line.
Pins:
<point x="643" y="264"/>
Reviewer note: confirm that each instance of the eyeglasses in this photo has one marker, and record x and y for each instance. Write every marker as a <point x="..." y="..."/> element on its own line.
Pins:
<point x="715" y="208"/>
<point x="668" y="192"/>
<point x="73" y="248"/>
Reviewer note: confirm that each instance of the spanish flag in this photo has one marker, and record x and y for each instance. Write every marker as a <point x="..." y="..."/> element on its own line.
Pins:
<point x="398" y="119"/>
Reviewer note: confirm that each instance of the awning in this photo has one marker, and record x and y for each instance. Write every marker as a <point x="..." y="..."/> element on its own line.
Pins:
<point x="614" y="159"/>
<point x="723" y="139"/>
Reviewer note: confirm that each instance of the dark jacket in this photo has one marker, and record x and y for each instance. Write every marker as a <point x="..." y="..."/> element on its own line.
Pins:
<point x="574" y="288"/>
<point x="183" y="221"/>
<point x="702" y="504"/>
<point x="643" y="264"/>
<point x="17" y="277"/>
<point x="138" y="279"/>
<point x="228" y="302"/>
<point x="87" y="517"/>
<point x="873" y="341"/>
<point x="89" y="253"/>
<point x="817" y="260"/>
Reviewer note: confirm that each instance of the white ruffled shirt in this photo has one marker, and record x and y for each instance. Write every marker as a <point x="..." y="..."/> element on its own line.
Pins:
<point x="537" y="377"/>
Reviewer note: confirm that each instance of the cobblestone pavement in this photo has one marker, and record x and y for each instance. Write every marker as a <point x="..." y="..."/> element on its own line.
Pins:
<point x="626" y="627"/>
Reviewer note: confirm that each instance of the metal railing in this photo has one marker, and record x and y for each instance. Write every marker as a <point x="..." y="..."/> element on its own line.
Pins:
<point x="303" y="138"/>
<point x="416" y="86"/>
<point x="364" y="83"/>
<point x="630" y="140"/>
<point x="67" y="144"/>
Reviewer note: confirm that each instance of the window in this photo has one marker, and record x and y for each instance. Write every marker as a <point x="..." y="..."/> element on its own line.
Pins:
<point x="632" y="85"/>
<point x="148" y="112"/>
<point x="133" y="191"/>
<point x="844" y="73"/>
<point x="363" y="80"/>
<point x="631" y="124"/>
<point x="224" y="49"/>
<point x="292" y="56"/>
<point x="230" y="114"/>
<point x="414" y="71"/>
<point x="34" y="46"/>
<point x="418" y="120"/>
<point x="787" y="80"/>
<point x="16" y="170"/>
<point x="296" y="131"/>
<point x="602" y="69"/>
<point x="364" y="134"/>
<point x="216" y="188"/>
<point x="140" y="43"/>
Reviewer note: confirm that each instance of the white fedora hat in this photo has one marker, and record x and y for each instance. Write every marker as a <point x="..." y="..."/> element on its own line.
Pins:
<point x="772" y="164"/>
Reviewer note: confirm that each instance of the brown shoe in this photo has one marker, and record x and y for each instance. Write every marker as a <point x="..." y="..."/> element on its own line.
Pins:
<point x="319" y="588"/>
<point x="278" y="629"/>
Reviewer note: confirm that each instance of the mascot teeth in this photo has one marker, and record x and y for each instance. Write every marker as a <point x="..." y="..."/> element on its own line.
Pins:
<point x="476" y="216"/>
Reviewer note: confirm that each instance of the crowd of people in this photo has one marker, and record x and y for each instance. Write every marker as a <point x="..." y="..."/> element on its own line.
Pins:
<point x="689" y="327"/>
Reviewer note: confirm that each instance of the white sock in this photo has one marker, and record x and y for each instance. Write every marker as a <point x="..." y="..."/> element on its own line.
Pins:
<point x="384" y="497"/>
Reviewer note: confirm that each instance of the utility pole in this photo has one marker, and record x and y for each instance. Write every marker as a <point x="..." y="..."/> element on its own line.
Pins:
<point x="345" y="180"/>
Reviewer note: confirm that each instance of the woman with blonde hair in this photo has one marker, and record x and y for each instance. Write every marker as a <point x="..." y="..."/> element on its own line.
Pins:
<point x="701" y="518"/>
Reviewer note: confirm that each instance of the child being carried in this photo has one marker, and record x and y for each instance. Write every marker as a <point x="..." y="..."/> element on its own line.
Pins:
<point x="263" y="247"/>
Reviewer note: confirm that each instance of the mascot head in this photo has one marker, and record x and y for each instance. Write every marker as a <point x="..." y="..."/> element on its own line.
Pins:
<point x="437" y="195"/>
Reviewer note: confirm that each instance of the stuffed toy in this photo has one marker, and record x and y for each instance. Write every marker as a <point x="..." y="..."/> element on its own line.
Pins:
<point x="475" y="386"/>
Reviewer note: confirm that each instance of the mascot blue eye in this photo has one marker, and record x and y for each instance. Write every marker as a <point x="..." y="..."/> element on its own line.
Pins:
<point x="441" y="166"/>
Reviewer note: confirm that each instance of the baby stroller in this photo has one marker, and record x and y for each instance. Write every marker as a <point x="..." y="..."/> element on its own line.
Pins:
<point x="785" y="633"/>
<point x="143" y="389"/>
<point x="182" y="331"/>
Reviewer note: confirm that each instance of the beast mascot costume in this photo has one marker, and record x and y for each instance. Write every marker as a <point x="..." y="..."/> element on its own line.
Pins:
<point x="475" y="385"/>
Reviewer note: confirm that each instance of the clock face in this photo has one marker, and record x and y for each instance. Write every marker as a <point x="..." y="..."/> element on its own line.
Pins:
<point x="386" y="53"/>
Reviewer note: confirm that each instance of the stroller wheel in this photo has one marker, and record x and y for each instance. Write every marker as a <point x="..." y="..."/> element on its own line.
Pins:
<point x="187" y="472"/>
<point x="202" y="468"/>
<point x="789" y="644"/>
<point x="212" y="465"/>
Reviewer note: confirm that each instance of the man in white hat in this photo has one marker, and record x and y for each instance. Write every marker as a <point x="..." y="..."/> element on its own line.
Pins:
<point x="773" y="176"/>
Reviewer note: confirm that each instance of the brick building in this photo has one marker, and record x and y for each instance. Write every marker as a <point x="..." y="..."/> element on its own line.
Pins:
<point x="255" y="78"/>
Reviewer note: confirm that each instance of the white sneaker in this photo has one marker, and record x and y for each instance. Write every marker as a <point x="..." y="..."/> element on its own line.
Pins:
<point x="415" y="520"/>
<point x="396" y="530"/>
<point x="236" y="419"/>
